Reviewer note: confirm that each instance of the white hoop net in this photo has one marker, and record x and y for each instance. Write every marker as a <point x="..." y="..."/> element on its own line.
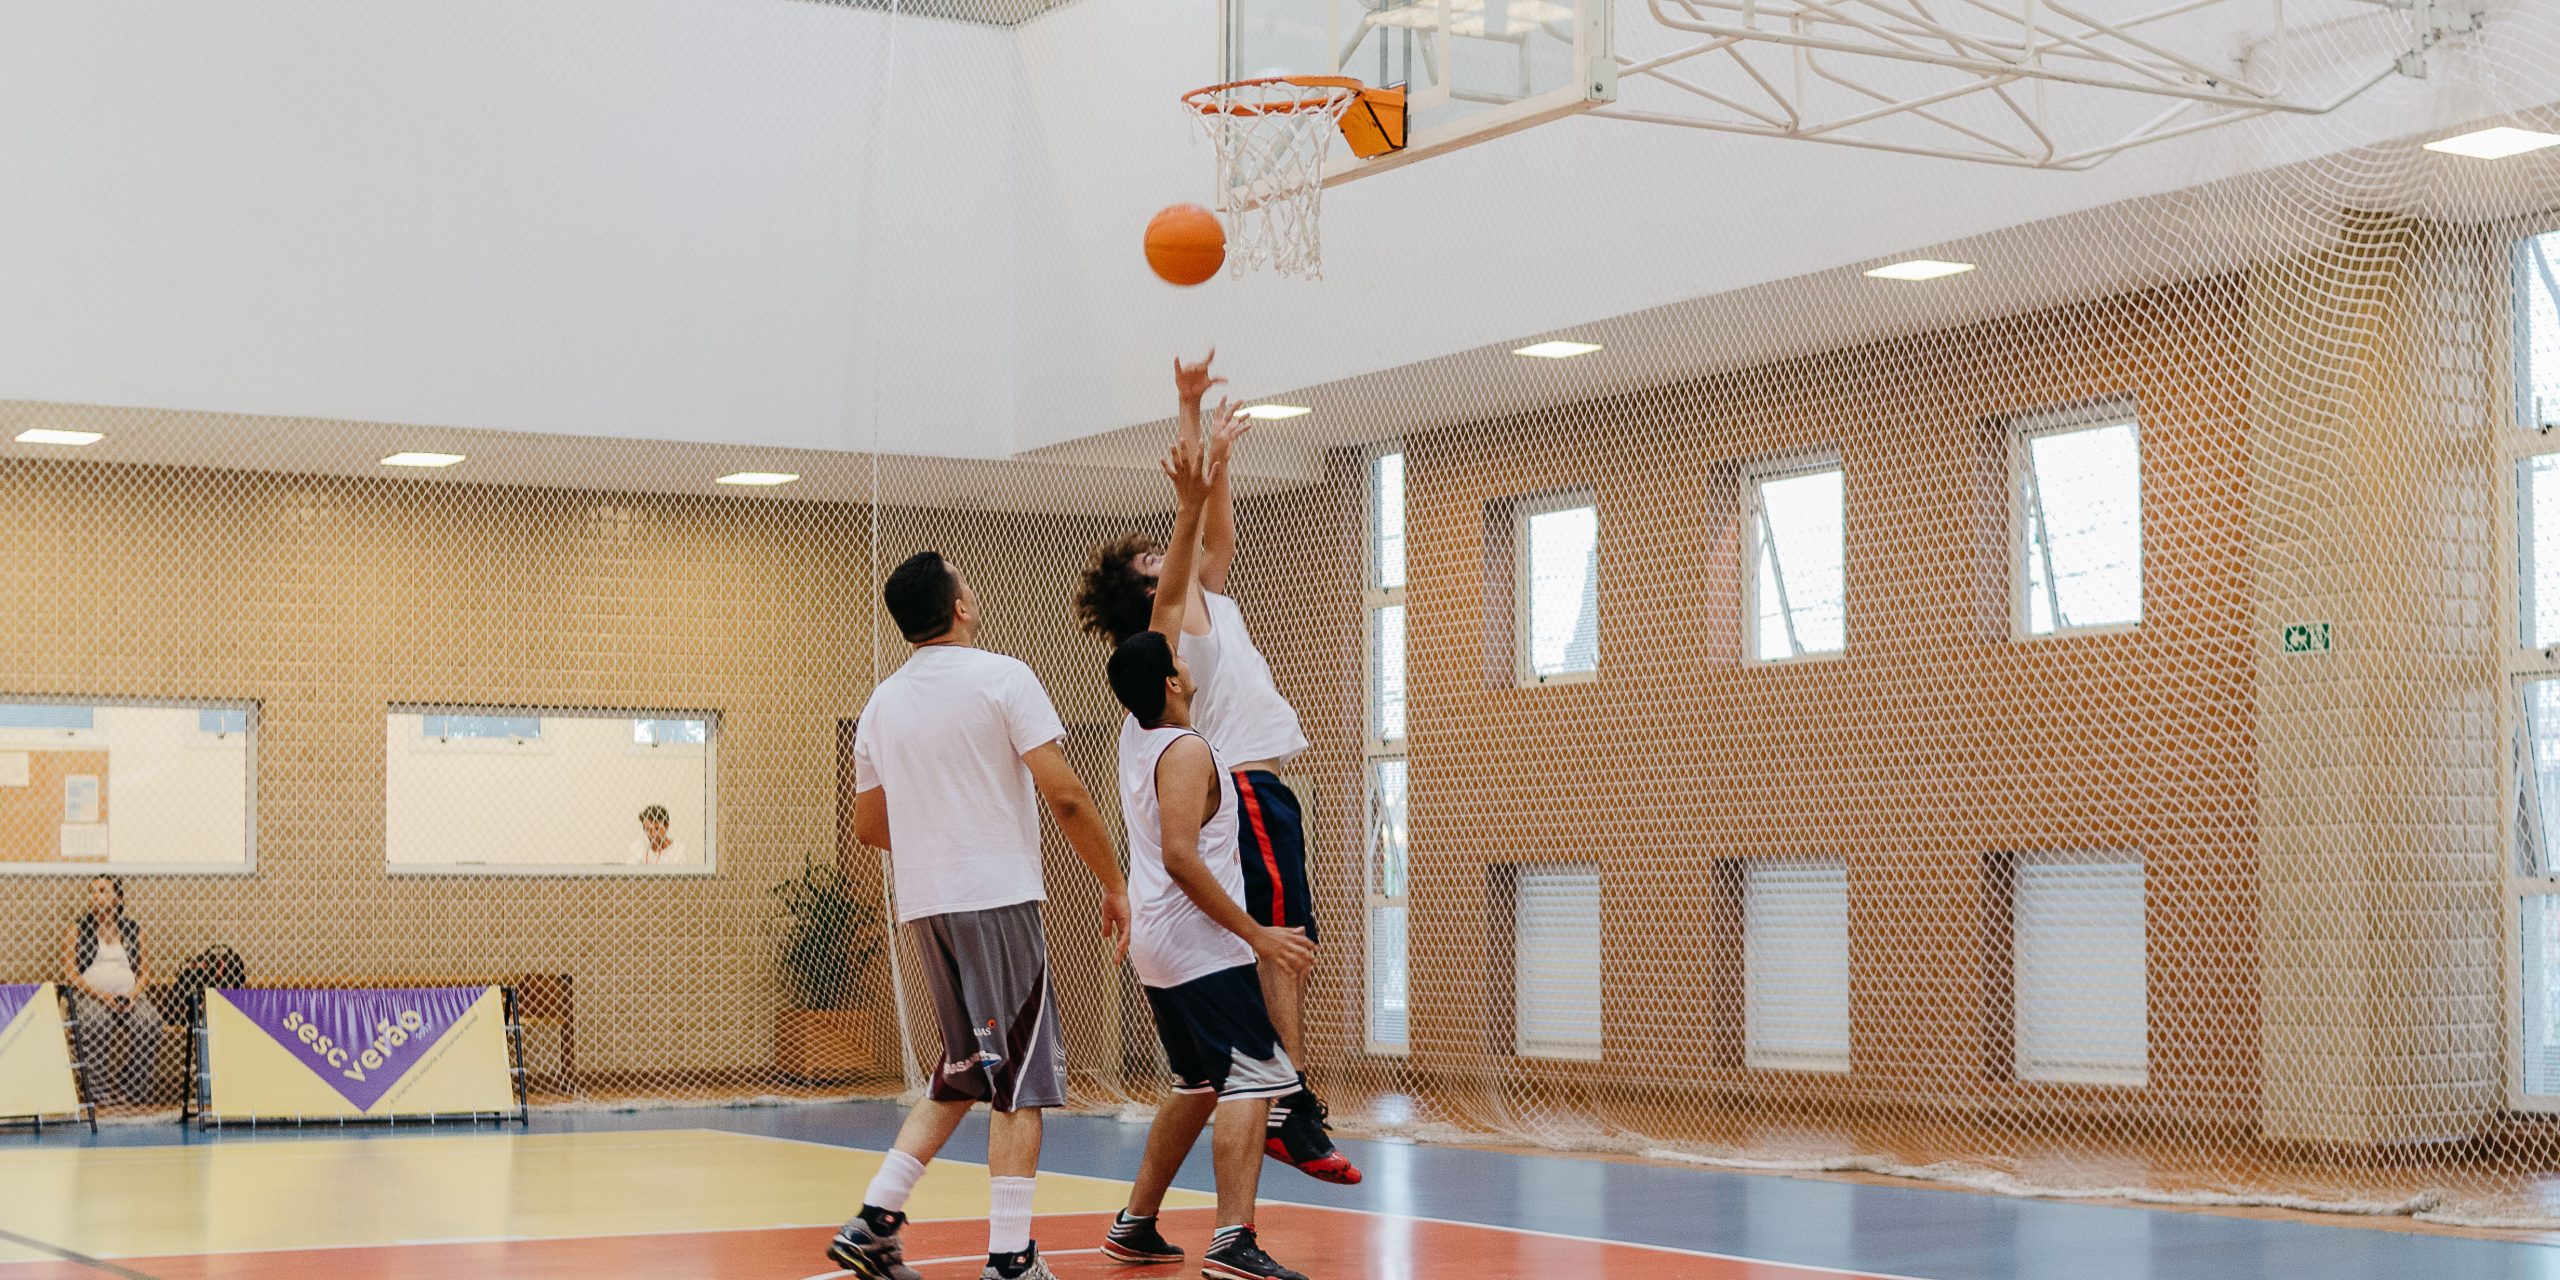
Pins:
<point x="1272" y="137"/>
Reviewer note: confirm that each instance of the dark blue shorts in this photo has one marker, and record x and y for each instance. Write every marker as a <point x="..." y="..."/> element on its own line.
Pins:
<point x="1218" y="1038"/>
<point x="1272" y="846"/>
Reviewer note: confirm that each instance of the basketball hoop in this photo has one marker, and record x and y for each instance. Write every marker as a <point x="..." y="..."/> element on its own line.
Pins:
<point x="1273" y="134"/>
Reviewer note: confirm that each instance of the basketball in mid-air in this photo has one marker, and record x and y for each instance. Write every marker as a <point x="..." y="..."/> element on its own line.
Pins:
<point x="1185" y="244"/>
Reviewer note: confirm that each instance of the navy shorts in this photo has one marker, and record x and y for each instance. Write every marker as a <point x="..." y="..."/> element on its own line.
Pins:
<point x="1272" y="845"/>
<point x="1218" y="1037"/>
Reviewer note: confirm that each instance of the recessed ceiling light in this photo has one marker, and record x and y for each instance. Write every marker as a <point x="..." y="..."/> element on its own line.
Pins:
<point x="1268" y="412"/>
<point x="2495" y="144"/>
<point x="1921" y="269"/>
<point x="422" y="460"/>
<point x="47" y="435"/>
<point x="758" y="477"/>
<point x="1558" y="350"/>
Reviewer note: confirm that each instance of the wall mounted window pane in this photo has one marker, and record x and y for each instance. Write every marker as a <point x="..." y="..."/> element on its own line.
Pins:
<point x="1556" y="962"/>
<point x="2541" y="991"/>
<point x="2538" y="331"/>
<point x="1797" y="523"/>
<point x="522" y="791"/>
<point x="2079" y="521"/>
<point x="1795" y="968"/>
<point x="1389" y="1017"/>
<point x="2081" y="978"/>
<point x="1386" y="672"/>
<point x="1386" y="521"/>
<point x="1557" y="596"/>
<point x="127" y="785"/>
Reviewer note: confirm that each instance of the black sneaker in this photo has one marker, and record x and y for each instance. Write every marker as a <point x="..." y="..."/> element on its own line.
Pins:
<point x="868" y="1247"/>
<point x="1025" y="1265"/>
<point x="1136" y="1240"/>
<point x="1297" y="1137"/>
<point x="1238" y="1256"/>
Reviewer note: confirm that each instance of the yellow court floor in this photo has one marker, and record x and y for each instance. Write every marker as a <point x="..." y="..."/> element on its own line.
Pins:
<point x="312" y="1193"/>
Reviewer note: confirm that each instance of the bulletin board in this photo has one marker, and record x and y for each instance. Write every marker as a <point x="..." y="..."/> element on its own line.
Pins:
<point x="32" y="816"/>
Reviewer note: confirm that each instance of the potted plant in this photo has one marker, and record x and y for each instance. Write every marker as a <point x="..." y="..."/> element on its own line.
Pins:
<point x="830" y="941"/>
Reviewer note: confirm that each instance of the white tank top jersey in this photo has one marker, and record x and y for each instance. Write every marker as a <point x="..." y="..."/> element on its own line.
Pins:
<point x="1239" y="708"/>
<point x="1201" y="653"/>
<point x="1171" y="940"/>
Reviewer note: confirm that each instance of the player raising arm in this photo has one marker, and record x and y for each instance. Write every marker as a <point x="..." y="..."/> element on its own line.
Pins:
<point x="1194" y="947"/>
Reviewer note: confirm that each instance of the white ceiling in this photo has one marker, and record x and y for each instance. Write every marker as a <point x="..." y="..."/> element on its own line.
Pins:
<point x="794" y="235"/>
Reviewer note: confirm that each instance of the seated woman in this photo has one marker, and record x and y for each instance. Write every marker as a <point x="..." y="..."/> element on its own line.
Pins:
<point x="107" y="967"/>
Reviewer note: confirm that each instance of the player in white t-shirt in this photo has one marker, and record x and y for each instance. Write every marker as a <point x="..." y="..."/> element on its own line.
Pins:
<point x="1191" y="941"/>
<point x="1252" y="729"/>
<point x="953" y="756"/>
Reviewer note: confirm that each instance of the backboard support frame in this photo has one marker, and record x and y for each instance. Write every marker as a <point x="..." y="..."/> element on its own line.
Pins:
<point x="2028" y="56"/>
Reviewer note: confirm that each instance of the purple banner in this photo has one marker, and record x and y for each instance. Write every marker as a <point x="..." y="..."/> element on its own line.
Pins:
<point x="13" y="997"/>
<point x="362" y="1041"/>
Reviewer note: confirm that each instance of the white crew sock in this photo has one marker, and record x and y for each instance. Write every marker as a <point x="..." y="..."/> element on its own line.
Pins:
<point x="895" y="1182"/>
<point x="1009" y="1215"/>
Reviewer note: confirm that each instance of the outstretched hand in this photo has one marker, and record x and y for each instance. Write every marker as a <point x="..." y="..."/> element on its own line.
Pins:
<point x="1192" y="381"/>
<point x="1228" y="425"/>
<point x="1193" y="472"/>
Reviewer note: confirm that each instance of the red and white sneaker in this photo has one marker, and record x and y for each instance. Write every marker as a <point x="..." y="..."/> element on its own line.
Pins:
<point x="1297" y="1137"/>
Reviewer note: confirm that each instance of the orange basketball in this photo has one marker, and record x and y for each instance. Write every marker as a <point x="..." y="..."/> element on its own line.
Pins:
<point x="1185" y="244"/>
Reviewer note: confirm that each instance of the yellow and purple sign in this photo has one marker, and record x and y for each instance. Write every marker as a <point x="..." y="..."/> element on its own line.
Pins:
<point x="356" y="1054"/>
<point x="35" y="1055"/>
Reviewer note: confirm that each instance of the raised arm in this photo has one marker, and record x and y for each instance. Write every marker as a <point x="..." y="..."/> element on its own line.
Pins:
<point x="1189" y="468"/>
<point x="1186" y="789"/>
<point x="1073" y="807"/>
<point x="1191" y="383"/>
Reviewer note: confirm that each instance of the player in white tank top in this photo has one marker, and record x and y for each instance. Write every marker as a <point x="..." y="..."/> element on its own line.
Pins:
<point x="1249" y="725"/>
<point x="1171" y="941"/>
<point x="1192" y="941"/>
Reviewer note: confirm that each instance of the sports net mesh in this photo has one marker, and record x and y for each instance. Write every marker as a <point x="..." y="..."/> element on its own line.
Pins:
<point x="2093" y="735"/>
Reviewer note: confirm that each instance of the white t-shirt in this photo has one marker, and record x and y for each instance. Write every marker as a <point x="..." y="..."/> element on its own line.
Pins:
<point x="110" y="971"/>
<point x="1171" y="940"/>
<point x="1239" y="709"/>
<point x="644" y="856"/>
<point x="945" y="736"/>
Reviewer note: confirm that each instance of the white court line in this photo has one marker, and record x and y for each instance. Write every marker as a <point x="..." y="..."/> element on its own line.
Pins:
<point x="966" y="1257"/>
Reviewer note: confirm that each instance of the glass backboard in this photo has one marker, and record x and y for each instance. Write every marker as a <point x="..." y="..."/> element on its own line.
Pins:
<point x="1472" y="69"/>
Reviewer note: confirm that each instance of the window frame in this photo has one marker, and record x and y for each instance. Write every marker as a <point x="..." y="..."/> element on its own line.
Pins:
<point x="1523" y="600"/>
<point x="2520" y="441"/>
<point x="2077" y="1075"/>
<point x="26" y="738"/>
<point x="637" y="748"/>
<point x="2023" y="431"/>
<point x="96" y="738"/>
<point x="1376" y="749"/>
<point x="707" y="868"/>
<point x="1754" y="477"/>
<point x="430" y="744"/>
<point x="1792" y="1063"/>
<point x="1523" y="1047"/>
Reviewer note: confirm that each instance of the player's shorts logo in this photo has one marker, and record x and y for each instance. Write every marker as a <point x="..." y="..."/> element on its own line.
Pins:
<point x="986" y="1056"/>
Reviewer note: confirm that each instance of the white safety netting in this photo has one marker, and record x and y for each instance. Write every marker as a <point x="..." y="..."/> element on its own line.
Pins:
<point x="2081" y="736"/>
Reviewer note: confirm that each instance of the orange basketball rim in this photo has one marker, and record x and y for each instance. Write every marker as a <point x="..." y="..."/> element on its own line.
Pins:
<point x="1372" y="121"/>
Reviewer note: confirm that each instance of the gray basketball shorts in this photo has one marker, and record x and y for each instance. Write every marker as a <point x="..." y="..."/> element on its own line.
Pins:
<point x="989" y="975"/>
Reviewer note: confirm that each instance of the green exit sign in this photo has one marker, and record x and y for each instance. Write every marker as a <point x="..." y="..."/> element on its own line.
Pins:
<point x="2307" y="637"/>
